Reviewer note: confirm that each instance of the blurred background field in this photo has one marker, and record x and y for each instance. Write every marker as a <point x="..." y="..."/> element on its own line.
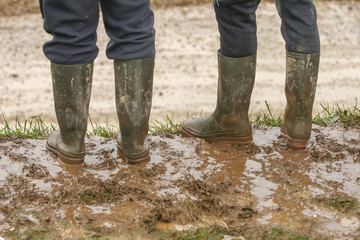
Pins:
<point x="16" y="7"/>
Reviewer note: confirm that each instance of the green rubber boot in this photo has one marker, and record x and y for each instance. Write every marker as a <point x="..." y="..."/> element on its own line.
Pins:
<point x="133" y="89"/>
<point x="72" y="91"/>
<point x="300" y="87"/>
<point x="230" y="121"/>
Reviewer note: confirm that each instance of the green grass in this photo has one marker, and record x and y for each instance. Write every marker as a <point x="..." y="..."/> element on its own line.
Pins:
<point x="167" y="127"/>
<point x="34" y="127"/>
<point x="341" y="203"/>
<point x="212" y="233"/>
<point x="217" y="233"/>
<point x="37" y="233"/>
<point x="266" y="118"/>
<point x="336" y="114"/>
<point x="278" y="233"/>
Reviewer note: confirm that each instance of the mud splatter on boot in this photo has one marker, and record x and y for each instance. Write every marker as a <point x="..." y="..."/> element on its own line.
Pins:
<point x="72" y="91"/>
<point x="133" y="88"/>
<point x="230" y="122"/>
<point x="300" y="87"/>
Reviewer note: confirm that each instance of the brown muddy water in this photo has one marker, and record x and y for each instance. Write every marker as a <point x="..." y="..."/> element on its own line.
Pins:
<point x="188" y="184"/>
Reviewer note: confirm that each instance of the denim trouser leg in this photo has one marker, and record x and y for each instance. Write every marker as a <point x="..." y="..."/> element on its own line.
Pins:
<point x="237" y="26"/>
<point x="130" y="26"/>
<point x="73" y="25"/>
<point x="299" y="25"/>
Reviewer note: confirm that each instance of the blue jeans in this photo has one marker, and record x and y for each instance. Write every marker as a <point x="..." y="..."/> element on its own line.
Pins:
<point x="237" y="26"/>
<point x="73" y="23"/>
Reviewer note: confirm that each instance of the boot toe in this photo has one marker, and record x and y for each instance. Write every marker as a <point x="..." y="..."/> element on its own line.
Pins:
<point x="209" y="130"/>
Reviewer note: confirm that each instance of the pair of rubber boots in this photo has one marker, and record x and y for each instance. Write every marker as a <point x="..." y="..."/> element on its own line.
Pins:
<point x="72" y="91"/>
<point x="230" y="122"/>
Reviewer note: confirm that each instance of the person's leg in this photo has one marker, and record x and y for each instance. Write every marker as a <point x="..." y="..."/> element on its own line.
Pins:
<point x="129" y="25"/>
<point x="237" y="27"/>
<point x="71" y="52"/>
<point x="299" y="26"/>
<point x="73" y="26"/>
<point x="236" y="64"/>
<point x="300" y="32"/>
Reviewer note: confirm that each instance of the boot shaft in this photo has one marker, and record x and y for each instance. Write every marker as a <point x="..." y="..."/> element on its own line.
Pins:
<point x="235" y="85"/>
<point x="301" y="75"/>
<point x="72" y="92"/>
<point x="300" y="88"/>
<point x="133" y="90"/>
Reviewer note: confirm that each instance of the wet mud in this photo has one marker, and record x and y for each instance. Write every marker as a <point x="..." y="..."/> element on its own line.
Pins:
<point x="188" y="184"/>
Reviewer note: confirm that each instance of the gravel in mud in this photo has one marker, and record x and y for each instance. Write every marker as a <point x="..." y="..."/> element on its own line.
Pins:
<point x="188" y="183"/>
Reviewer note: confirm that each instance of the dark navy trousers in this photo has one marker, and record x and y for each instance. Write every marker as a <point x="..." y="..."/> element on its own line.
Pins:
<point x="73" y="23"/>
<point x="237" y="26"/>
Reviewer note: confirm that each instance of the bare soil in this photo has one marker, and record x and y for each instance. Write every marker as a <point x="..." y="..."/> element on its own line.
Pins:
<point x="188" y="183"/>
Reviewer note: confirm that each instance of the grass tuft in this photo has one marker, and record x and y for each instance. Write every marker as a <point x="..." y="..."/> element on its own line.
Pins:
<point x="281" y="233"/>
<point x="346" y="117"/>
<point x="168" y="127"/>
<point x="267" y="118"/>
<point x="215" y="233"/>
<point x="33" y="127"/>
<point x="341" y="203"/>
<point x="108" y="131"/>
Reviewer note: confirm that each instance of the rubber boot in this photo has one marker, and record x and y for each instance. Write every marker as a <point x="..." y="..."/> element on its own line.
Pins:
<point x="72" y="91"/>
<point x="133" y="90"/>
<point x="230" y="121"/>
<point x="300" y="87"/>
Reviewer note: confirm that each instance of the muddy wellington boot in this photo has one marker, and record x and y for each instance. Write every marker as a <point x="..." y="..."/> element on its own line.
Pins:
<point x="300" y="88"/>
<point x="230" y="121"/>
<point x="72" y="90"/>
<point x="133" y="90"/>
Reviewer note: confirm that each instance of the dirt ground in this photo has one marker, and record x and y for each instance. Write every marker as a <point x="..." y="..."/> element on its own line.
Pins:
<point x="188" y="183"/>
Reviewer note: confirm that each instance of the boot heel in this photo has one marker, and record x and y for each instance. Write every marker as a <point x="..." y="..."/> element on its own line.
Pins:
<point x="292" y="143"/>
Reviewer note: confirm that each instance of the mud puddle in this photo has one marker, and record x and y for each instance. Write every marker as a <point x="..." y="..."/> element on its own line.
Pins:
<point x="188" y="184"/>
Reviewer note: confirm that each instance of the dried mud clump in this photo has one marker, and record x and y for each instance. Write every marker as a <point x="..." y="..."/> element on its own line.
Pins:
<point x="96" y="191"/>
<point x="251" y="148"/>
<point x="327" y="150"/>
<point x="19" y="191"/>
<point x="206" y="199"/>
<point x="35" y="171"/>
<point x="154" y="171"/>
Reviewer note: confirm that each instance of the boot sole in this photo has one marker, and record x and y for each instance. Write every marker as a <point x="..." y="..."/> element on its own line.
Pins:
<point x="292" y="143"/>
<point x="227" y="140"/>
<point x="142" y="158"/>
<point x="64" y="158"/>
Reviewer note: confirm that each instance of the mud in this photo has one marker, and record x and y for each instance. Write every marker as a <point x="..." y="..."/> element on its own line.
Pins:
<point x="188" y="183"/>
